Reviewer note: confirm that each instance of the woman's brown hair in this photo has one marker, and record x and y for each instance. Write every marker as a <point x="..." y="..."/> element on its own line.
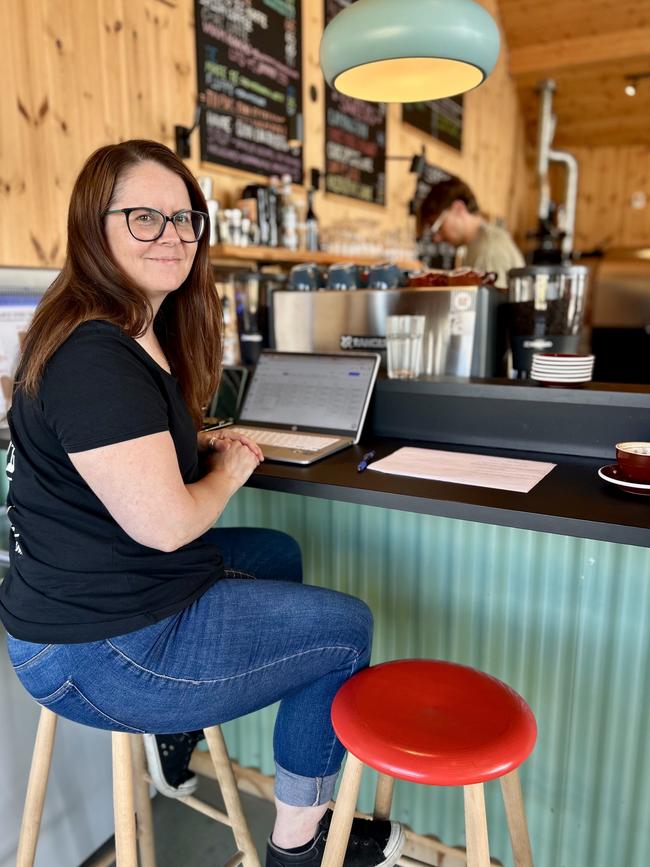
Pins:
<point x="91" y="286"/>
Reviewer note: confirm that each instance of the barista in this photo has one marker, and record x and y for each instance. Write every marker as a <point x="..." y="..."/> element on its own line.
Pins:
<point x="450" y="213"/>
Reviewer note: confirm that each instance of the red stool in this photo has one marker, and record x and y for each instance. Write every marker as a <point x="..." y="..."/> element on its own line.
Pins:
<point x="440" y="724"/>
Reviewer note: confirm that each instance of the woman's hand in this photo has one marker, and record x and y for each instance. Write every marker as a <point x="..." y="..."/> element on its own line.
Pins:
<point x="208" y="440"/>
<point x="232" y="459"/>
<point x="147" y="469"/>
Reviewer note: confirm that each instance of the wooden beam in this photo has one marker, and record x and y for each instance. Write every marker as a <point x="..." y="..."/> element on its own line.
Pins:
<point x="585" y="123"/>
<point x="604" y="135"/>
<point x="580" y="51"/>
<point x="568" y="126"/>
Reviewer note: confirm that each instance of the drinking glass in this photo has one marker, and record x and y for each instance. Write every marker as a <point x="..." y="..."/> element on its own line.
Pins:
<point x="404" y="346"/>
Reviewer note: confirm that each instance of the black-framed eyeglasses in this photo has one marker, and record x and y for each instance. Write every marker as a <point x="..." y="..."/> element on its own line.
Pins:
<point x="148" y="224"/>
<point x="437" y="226"/>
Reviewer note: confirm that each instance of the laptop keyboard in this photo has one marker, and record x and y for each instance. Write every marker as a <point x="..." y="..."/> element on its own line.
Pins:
<point x="304" y="442"/>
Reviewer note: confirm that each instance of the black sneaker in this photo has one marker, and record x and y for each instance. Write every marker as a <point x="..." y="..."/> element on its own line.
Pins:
<point x="373" y="843"/>
<point x="168" y="759"/>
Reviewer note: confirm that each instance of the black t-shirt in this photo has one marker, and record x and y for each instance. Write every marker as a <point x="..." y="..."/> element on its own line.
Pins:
<point x="75" y="575"/>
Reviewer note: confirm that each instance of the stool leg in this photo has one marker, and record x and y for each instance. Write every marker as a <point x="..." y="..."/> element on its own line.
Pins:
<point x="476" y="832"/>
<point x="38" y="774"/>
<point x="514" y="804"/>
<point x="123" y="803"/>
<point x="383" y="796"/>
<point x="346" y="803"/>
<point x="143" y="811"/>
<point x="230" y="794"/>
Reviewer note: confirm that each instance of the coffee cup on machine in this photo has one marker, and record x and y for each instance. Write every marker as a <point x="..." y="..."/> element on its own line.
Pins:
<point x="385" y="276"/>
<point x="305" y="277"/>
<point x="343" y="277"/>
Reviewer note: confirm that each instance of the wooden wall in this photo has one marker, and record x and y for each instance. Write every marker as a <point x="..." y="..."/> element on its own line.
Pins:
<point x="77" y="74"/>
<point x="591" y="49"/>
<point x="609" y="176"/>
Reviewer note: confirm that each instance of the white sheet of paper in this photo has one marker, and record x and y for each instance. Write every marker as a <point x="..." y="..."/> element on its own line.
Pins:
<point x="507" y="474"/>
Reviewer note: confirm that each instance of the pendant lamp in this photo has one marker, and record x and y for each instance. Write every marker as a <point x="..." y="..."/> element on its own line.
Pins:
<point x="409" y="50"/>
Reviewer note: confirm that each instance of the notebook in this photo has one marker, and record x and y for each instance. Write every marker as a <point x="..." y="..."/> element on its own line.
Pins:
<point x="301" y="407"/>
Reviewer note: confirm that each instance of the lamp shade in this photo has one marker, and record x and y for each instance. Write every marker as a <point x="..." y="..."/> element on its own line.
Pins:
<point x="409" y="50"/>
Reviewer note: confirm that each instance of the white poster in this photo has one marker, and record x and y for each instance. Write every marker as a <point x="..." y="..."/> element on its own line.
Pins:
<point x="16" y="312"/>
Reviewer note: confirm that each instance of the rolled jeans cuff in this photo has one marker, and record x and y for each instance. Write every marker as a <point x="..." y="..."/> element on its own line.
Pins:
<point x="297" y="791"/>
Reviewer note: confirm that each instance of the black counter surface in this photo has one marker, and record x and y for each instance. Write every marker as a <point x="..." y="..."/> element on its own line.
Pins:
<point x="586" y="421"/>
<point x="487" y="417"/>
<point x="571" y="500"/>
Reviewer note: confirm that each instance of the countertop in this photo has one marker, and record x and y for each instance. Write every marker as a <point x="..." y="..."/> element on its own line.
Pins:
<point x="511" y="414"/>
<point x="571" y="501"/>
<point x="488" y="418"/>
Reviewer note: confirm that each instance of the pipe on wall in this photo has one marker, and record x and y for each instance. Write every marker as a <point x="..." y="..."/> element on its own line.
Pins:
<point x="546" y="132"/>
<point x="571" y="197"/>
<point x="545" y="155"/>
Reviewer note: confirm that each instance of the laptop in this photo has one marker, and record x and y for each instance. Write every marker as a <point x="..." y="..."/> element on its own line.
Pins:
<point x="226" y="402"/>
<point x="301" y="407"/>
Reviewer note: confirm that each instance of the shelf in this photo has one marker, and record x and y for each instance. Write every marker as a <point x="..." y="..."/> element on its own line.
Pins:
<point x="282" y="256"/>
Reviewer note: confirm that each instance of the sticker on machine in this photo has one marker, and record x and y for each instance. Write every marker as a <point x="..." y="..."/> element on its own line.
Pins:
<point x="462" y="301"/>
<point x="462" y="324"/>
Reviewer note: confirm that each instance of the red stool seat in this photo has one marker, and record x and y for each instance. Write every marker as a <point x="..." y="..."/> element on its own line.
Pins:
<point x="434" y="722"/>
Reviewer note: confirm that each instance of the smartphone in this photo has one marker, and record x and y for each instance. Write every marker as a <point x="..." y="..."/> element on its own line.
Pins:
<point x="216" y="424"/>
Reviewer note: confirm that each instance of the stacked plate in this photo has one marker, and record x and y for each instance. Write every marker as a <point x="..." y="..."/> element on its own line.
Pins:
<point x="561" y="368"/>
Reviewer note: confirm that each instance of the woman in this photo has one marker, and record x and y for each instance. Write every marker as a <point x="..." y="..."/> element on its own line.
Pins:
<point x="124" y="610"/>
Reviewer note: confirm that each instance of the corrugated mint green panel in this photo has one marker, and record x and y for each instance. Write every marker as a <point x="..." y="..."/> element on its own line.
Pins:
<point x="564" y="621"/>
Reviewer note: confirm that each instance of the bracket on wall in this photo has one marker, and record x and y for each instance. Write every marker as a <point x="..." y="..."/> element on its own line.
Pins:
<point x="182" y="134"/>
<point x="418" y="161"/>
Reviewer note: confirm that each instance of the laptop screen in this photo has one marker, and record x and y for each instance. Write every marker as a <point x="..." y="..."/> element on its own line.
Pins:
<point x="227" y="400"/>
<point x="323" y="392"/>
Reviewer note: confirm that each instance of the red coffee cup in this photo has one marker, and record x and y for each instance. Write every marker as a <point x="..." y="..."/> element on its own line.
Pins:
<point x="634" y="461"/>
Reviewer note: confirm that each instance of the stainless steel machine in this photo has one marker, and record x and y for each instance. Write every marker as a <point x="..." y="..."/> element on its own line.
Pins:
<point x="620" y="316"/>
<point x="461" y="332"/>
<point x="544" y="312"/>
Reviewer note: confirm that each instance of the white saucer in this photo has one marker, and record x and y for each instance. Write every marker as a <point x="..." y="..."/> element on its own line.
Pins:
<point x="550" y="358"/>
<point x="546" y="371"/>
<point x="563" y="368"/>
<point x="614" y="475"/>
<point x="550" y="377"/>
<point x="541" y="364"/>
<point x="560" y="371"/>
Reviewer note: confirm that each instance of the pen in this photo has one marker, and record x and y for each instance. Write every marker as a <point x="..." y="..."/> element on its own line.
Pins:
<point x="363" y="463"/>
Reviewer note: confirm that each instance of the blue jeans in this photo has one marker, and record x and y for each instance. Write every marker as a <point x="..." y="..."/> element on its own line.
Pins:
<point x="244" y="644"/>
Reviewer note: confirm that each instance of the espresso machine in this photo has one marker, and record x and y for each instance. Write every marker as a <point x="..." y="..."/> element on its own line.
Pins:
<point x="461" y="336"/>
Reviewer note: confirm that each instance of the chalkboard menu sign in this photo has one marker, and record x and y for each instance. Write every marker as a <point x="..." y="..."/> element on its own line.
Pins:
<point x="433" y="254"/>
<point x="428" y="177"/>
<point x="355" y="139"/>
<point x="440" y="118"/>
<point x="249" y="65"/>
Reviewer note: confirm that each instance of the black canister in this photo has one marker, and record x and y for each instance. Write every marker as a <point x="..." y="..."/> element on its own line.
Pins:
<point x="544" y="311"/>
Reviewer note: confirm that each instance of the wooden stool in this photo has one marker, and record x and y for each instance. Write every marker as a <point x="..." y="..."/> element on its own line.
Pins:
<point x="435" y="723"/>
<point x="131" y="798"/>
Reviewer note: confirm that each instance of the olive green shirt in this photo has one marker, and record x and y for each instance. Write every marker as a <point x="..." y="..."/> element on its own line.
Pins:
<point x="494" y="250"/>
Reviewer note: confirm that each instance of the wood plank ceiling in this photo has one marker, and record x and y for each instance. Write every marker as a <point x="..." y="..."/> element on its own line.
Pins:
<point x="592" y="49"/>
